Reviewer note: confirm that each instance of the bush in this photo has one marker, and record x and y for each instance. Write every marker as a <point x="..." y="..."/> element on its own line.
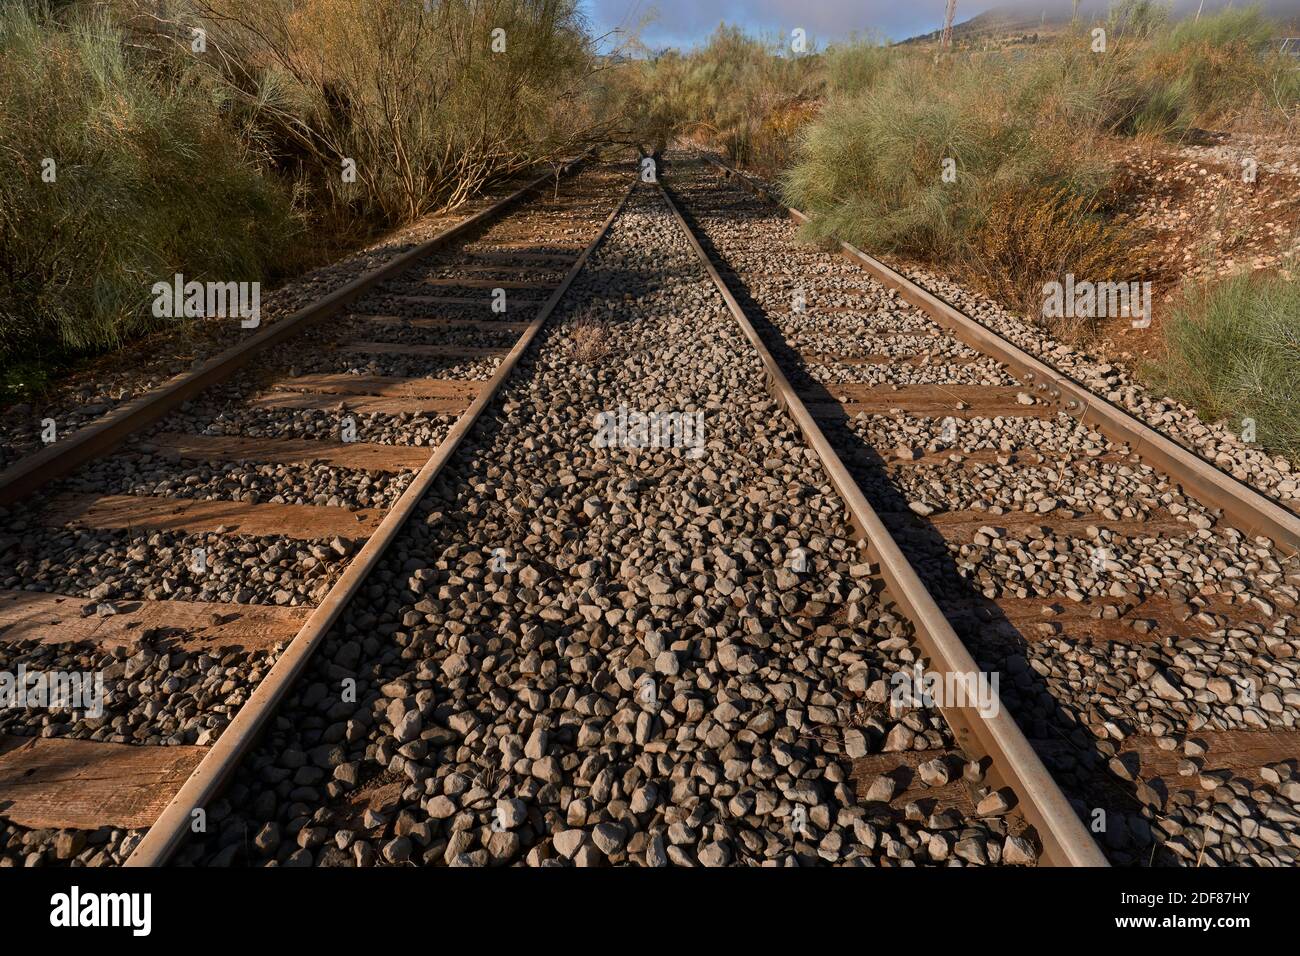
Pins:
<point x="417" y="97"/>
<point x="854" y="67"/>
<point x="150" y="179"/>
<point x="1232" y="351"/>
<point x="1029" y="240"/>
<point x="1031" y="138"/>
<point x="744" y="94"/>
<point x="870" y="169"/>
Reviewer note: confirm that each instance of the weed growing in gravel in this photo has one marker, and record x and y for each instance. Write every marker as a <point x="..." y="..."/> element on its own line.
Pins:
<point x="1233" y="351"/>
<point x="589" y="339"/>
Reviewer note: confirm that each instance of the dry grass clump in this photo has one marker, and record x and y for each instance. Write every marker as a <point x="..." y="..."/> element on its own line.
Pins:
<point x="1026" y="241"/>
<point x="589" y="340"/>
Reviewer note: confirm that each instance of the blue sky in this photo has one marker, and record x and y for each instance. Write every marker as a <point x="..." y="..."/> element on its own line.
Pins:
<point x="685" y="23"/>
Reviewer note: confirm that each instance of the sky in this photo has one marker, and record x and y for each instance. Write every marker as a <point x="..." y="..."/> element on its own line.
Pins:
<point x="683" y="23"/>
<point x="686" y="23"/>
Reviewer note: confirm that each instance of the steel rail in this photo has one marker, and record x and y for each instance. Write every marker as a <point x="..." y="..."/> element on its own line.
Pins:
<point x="239" y="736"/>
<point x="1251" y="512"/>
<point x="39" y="468"/>
<point x="1014" y="762"/>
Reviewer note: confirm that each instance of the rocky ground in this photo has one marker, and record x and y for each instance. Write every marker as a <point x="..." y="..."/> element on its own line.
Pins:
<point x="588" y="655"/>
<point x="153" y="696"/>
<point x="580" y="653"/>
<point x="1216" y="208"/>
<point x="1239" y="673"/>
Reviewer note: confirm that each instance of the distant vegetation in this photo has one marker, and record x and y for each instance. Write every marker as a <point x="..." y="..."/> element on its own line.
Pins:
<point x="228" y="164"/>
<point x="738" y="93"/>
<point x="859" y="136"/>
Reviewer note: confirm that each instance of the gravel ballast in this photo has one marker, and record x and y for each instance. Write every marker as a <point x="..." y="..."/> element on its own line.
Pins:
<point x="1223" y="662"/>
<point x="581" y="655"/>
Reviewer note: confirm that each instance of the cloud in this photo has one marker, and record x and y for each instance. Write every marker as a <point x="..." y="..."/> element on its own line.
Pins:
<point x="686" y="23"/>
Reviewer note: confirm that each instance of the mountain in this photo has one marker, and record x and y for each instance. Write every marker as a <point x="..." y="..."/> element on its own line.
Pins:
<point x="1022" y="20"/>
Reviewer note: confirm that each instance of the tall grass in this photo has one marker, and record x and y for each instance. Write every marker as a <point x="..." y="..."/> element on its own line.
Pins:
<point x="150" y="178"/>
<point x="1233" y="352"/>
<point x="854" y="67"/>
<point x="1031" y="137"/>
<point x="1217" y="70"/>
<point x="747" y="95"/>
<point x="430" y="102"/>
<point x="871" y="169"/>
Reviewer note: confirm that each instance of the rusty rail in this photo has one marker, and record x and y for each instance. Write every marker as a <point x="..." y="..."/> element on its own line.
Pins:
<point x="35" y="470"/>
<point x="219" y="762"/>
<point x="1249" y="511"/>
<point x="1065" y="840"/>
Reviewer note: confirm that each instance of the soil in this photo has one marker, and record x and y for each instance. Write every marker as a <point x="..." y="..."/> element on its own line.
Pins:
<point x="1202" y="219"/>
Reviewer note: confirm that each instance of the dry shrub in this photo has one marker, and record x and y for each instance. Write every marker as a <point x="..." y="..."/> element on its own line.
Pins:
<point x="416" y="96"/>
<point x="590" y="340"/>
<point x="1031" y="238"/>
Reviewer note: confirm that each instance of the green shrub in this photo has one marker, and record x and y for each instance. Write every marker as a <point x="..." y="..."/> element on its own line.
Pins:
<point x="1137" y="18"/>
<point x="1247" y="28"/>
<point x="870" y="169"/>
<point x="1233" y="351"/>
<point x="417" y="97"/>
<point x="150" y="179"/>
<point x="854" y="67"/>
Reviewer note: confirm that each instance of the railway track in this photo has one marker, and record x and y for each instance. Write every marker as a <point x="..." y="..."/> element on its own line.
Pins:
<point x="1138" y="603"/>
<point x="187" y="553"/>
<point x="557" y="640"/>
<point x="588" y="649"/>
